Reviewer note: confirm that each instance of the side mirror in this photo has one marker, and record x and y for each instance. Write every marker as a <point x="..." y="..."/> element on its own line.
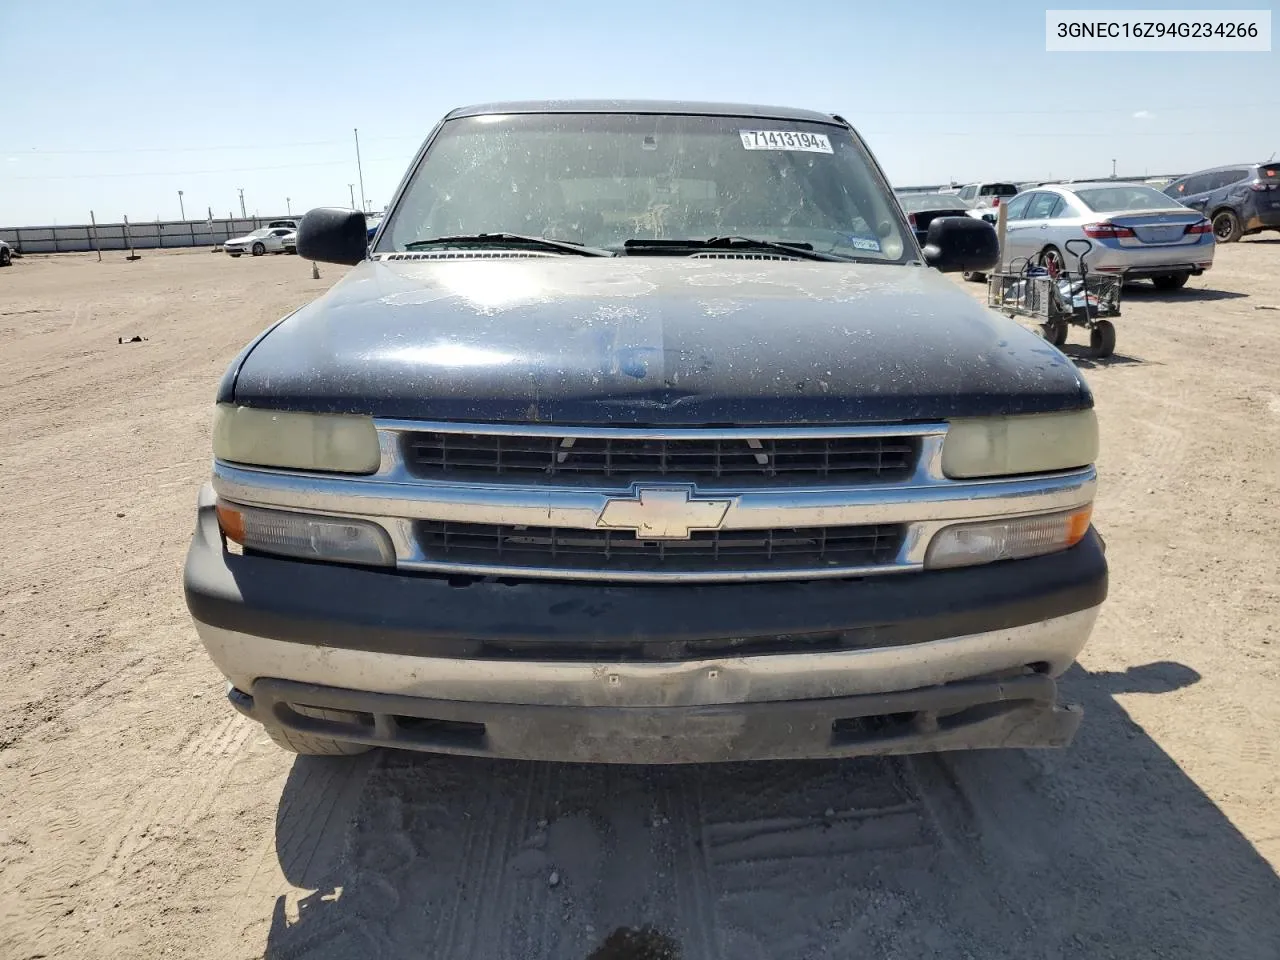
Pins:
<point x="333" y="235"/>
<point x="961" y="244"/>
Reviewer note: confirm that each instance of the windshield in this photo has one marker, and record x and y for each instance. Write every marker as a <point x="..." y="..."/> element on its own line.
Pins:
<point x="603" y="179"/>
<point x="916" y="202"/>
<point x="1134" y="197"/>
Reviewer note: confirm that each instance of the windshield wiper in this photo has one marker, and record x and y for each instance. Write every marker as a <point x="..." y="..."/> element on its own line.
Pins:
<point x="803" y="251"/>
<point x="508" y="240"/>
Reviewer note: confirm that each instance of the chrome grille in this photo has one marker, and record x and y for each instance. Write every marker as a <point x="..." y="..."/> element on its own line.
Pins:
<point x="614" y="551"/>
<point x="856" y="459"/>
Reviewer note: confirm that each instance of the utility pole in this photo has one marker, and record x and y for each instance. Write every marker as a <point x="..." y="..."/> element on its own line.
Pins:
<point x="288" y="206"/>
<point x="359" y="168"/>
<point x="1113" y="169"/>
<point x="242" y="213"/>
<point x="181" y="208"/>
<point x="352" y="188"/>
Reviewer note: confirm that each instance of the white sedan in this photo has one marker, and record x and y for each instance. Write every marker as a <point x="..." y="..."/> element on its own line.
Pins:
<point x="265" y="240"/>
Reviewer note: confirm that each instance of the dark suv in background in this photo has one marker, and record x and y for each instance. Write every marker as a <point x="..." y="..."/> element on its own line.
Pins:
<point x="1240" y="200"/>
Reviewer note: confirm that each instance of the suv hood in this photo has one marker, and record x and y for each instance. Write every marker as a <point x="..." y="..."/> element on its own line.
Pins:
<point x="657" y="341"/>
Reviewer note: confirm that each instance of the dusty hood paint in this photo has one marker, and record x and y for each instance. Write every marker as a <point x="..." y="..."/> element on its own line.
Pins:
<point x="661" y="341"/>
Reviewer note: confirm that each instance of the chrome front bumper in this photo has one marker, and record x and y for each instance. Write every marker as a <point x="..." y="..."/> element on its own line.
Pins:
<point x="986" y="690"/>
<point x="1050" y="644"/>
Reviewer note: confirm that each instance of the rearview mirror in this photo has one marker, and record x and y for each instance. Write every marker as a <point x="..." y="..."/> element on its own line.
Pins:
<point x="961" y="244"/>
<point x="333" y="235"/>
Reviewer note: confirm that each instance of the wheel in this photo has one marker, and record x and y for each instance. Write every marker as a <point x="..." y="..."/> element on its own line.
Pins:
<point x="1051" y="259"/>
<point x="1102" y="338"/>
<point x="258" y="250"/>
<point x="1055" y="333"/>
<point x="6" y="257"/>
<point x="1226" y="227"/>
<point x="1171" y="281"/>
<point x="973" y="277"/>
<point x="307" y="744"/>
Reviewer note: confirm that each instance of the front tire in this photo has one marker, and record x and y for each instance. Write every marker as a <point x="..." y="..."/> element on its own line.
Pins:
<point x="6" y="258"/>
<point x="1171" y="281"/>
<point x="259" y="249"/>
<point x="306" y="745"/>
<point x="309" y="745"/>
<point x="974" y="277"/>
<point x="1226" y="227"/>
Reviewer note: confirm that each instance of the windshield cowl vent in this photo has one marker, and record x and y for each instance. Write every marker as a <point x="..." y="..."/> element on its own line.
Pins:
<point x="734" y="255"/>
<point x="469" y="255"/>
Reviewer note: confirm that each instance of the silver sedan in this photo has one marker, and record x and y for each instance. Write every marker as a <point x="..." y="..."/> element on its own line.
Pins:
<point x="1134" y="230"/>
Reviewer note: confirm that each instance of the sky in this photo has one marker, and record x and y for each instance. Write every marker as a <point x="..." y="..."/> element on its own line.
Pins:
<point x="116" y="106"/>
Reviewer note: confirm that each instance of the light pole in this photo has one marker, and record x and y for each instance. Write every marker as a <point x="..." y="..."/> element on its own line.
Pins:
<point x="1113" y="169"/>
<point x="288" y="206"/>
<point x="359" y="169"/>
<point x="181" y="208"/>
<point x="352" y="188"/>
<point x="242" y="213"/>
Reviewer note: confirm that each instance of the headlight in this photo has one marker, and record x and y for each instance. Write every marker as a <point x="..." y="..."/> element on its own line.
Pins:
<point x="1034" y="443"/>
<point x="288" y="534"/>
<point x="1017" y="538"/>
<point x="328" y="442"/>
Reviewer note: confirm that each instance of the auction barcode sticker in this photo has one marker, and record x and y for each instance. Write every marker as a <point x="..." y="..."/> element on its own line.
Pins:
<point x="785" y="140"/>
<point x="1156" y="31"/>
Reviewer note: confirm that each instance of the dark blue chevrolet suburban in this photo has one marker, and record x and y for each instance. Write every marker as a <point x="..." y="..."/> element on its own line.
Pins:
<point x="648" y="432"/>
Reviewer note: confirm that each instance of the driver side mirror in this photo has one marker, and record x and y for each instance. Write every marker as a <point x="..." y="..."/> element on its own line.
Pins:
<point x="333" y="235"/>
<point x="961" y="245"/>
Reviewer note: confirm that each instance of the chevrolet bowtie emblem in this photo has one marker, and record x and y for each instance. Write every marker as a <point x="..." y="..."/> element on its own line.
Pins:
<point x="663" y="513"/>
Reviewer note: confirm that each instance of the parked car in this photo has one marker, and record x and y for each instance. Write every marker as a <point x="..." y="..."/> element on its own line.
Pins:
<point x="980" y="195"/>
<point x="1135" y="231"/>
<point x="290" y="241"/>
<point x="291" y="224"/>
<point x="629" y="468"/>
<point x="923" y="208"/>
<point x="6" y="253"/>
<point x="264" y="240"/>
<point x="1241" y="200"/>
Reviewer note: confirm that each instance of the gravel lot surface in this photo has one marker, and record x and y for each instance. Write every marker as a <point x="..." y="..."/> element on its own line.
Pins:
<point x="142" y="817"/>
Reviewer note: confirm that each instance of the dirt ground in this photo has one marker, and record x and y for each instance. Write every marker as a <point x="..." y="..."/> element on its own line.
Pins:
<point x="142" y="817"/>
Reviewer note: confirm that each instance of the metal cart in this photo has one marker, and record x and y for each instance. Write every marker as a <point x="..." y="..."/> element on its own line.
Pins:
<point x="1082" y="299"/>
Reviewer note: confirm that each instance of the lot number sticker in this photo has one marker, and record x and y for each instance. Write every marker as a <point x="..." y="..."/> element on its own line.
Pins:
<point x="785" y="140"/>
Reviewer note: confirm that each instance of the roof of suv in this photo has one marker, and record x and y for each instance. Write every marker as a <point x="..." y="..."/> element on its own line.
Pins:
<point x="1225" y="166"/>
<point x="686" y="107"/>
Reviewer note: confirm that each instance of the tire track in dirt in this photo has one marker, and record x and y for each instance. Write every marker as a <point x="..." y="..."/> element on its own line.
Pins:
<point x="697" y="924"/>
<point x="488" y="881"/>
<point x="170" y="803"/>
<point x="528" y="886"/>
